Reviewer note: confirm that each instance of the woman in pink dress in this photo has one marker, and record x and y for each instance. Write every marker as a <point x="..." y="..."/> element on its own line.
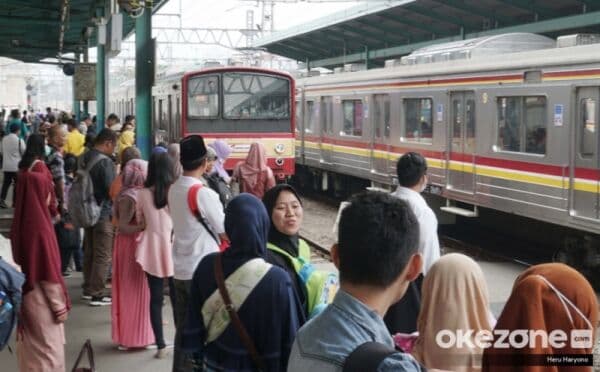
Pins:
<point x="40" y="337"/>
<point x="254" y="175"/>
<point x="155" y="245"/>
<point x="131" y="326"/>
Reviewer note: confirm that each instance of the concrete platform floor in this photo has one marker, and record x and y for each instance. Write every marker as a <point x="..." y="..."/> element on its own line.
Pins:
<point x="95" y="323"/>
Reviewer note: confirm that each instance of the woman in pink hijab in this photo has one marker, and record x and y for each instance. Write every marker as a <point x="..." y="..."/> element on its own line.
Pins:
<point x="254" y="175"/>
<point x="131" y="326"/>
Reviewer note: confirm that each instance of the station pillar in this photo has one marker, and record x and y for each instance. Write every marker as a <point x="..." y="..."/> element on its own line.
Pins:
<point x="85" y="103"/>
<point x="144" y="79"/>
<point x="76" y="103"/>
<point x="100" y="86"/>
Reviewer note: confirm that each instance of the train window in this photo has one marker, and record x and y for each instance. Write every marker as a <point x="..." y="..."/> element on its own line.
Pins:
<point x="353" y="117"/>
<point x="298" y="115"/>
<point x="522" y="124"/>
<point x="588" y="132"/>
<point x="160" y="114"/>
<point x="382" y="115"/>
<point x="203" y="96"/>
<point x="166" y="113"/>
<point x="255" y="96"/>
<point x="470" y="117"/>
<point x="326" y="115"/>
<point x="387" y="117"/>
<point x="311" y="116"/>
<point x="177" y="120"/>
<point x="418" y="120"/>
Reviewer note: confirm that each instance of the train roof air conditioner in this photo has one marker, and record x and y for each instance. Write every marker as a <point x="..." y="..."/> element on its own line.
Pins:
<point x="577" y="39"/>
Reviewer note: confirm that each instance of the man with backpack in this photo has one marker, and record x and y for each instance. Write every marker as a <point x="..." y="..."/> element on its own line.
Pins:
<point x="377" y="258"/>
<point x="99" y="231"/>
<point x="198" y="228"/>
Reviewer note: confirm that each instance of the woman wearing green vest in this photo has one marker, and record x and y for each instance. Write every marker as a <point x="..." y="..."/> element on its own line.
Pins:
<point x="285" y="211"/>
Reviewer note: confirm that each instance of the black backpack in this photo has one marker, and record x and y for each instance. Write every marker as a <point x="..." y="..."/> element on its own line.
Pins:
<point x="11" y="282"/>
<point x="218" y="184"/>
<point x="367" y="357"/>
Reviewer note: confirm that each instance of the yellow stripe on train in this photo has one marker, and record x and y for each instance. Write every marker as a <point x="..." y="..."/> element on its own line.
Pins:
<point x="479" y="170"/>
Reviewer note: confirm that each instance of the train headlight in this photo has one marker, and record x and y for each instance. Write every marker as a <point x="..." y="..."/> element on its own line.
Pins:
<point x="279" y="162"/>
<point x="279" y="148"/>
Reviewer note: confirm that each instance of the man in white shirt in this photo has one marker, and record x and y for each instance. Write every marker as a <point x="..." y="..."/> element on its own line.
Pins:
<point x="192" y="241"/>
<point x="13" y="149"/>
<point x="411" y="170"/>
<point x="412" y="178"/>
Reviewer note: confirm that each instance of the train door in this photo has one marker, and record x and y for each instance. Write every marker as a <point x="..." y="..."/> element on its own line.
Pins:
<point x="586" y="172"/>
<point x="326" y="117"/>
<point x="461" y="147"/>
<point x="380" y="140"/>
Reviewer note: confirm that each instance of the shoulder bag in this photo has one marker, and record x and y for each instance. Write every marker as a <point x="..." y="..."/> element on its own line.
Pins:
<point x="235" y="319"/>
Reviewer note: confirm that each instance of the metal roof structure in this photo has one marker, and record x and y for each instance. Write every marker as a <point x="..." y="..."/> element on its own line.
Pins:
<point x="380" y="30"/>
<point x="33" y="30"/>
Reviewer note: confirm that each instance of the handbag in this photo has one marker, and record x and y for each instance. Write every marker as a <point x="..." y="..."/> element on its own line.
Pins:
<point x="87" y="348"/>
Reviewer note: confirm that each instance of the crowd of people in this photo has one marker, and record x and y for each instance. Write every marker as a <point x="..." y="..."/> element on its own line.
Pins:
<point x="237" y="272"/>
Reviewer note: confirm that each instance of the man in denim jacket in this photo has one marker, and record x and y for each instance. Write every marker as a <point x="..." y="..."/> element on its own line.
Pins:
<point x="377" y="258"/>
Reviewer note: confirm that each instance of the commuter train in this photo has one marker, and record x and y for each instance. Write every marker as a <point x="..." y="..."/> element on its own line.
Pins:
<point x="508" y="122"/>
<point x="239" y="104"/>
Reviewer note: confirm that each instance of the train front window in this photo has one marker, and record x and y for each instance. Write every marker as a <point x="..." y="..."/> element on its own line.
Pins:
<point x="522" y="124"/>
<point x="418" y="120"/>
<point x="203" y="97"/>
<point x="255" y="96"/>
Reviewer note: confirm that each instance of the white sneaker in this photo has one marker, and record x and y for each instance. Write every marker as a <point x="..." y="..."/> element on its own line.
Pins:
<point x="161" y="353"/>
<point x="86" y="297"/>
<point x="122" y="348"/>
<point x="101" y="301"/>
<point x="151" y="347"/>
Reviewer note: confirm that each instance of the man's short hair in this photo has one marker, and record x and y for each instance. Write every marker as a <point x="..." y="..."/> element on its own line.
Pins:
<point x="113" y="117"/>
<point x="71" y="123"/>
<point x="129" y="118"/>
<point x="378" y="233"/>
<point x="14" y="127"/>
<point x="105" y="135"/>
<point x="410" y="169"/>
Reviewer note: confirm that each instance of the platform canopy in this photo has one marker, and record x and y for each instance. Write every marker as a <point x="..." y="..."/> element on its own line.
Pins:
<point x="33" y="30"/>
<point x="380" y="30"/>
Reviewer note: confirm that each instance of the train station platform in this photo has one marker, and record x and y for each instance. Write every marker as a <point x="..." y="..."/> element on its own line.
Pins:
<point x="94" y="323"/>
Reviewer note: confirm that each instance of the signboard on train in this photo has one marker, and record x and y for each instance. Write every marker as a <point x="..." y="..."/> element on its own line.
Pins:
<point x="84" y="82"/>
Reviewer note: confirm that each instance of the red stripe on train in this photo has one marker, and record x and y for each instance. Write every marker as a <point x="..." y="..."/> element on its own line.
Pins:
<point x="423" y="82"/>
<point x="547" y="169"/>
<point x="571" y="73"/>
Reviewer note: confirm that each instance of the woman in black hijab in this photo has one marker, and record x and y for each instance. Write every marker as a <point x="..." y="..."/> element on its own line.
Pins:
<point x="286" y="213"/>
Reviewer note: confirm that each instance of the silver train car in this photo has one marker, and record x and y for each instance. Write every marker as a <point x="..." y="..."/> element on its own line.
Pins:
<point x="508" y="123"/>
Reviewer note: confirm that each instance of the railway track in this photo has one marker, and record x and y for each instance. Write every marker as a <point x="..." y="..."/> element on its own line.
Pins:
<point x="447" y="242"/>
<point x="478" y="242"/>
<point x="317" y="249"/>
